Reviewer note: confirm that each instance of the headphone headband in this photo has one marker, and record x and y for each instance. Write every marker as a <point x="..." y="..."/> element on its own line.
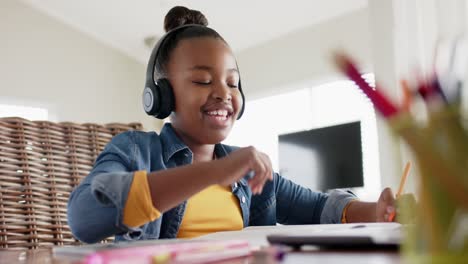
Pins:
<point x="155" y="53"/>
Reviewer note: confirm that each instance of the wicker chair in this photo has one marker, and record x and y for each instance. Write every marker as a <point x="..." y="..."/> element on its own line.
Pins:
<point x="40" y="164"/>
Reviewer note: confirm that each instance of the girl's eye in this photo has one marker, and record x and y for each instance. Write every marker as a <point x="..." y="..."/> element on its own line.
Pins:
<point x="202" y="82"/>
<point x="232" y="82"/>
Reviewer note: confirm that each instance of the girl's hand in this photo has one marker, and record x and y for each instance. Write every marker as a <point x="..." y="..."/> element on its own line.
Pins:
<point x="242" y="161"/>
<point x="385" y="206"/>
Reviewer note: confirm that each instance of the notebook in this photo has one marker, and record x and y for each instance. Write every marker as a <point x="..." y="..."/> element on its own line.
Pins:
<point x="357" y="235"/>
<point x="155" y="251"/>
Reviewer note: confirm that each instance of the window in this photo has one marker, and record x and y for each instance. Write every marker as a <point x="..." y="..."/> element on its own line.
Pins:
<point x="30" y="113"/>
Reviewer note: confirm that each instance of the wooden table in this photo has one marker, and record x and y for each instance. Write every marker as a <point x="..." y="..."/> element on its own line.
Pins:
<point x="312" y="255"/>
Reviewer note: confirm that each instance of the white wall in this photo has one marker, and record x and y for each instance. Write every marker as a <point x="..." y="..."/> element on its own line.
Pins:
<point x="48" y="64"/>
<point x="290" y="61"/>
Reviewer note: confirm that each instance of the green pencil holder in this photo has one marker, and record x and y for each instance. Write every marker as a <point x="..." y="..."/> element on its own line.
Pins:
<point x="435" y="230"/>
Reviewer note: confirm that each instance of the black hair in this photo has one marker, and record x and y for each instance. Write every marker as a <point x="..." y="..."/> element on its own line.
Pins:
<point x="177" y="17"/>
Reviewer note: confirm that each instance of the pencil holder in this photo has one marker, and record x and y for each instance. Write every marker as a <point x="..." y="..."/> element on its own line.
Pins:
<point x="440" y="147"/>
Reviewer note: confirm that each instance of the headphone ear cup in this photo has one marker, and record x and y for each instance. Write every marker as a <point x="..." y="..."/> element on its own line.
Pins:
<point x="167" y="100"/>
<point x="241" y="112"/>
<point x="151" y="100"/>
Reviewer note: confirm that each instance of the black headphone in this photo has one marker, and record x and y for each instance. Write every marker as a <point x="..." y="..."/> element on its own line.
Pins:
<point x="158" y="97"/>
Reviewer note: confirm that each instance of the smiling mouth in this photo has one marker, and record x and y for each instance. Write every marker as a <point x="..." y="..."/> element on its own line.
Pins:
<point x="219" y="114"/>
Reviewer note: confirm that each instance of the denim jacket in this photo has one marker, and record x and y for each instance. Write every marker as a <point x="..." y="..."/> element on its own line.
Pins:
<point x="95" y="208"/>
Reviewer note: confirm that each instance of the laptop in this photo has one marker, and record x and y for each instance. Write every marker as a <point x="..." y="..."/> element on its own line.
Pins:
<point x="356" y="235"/>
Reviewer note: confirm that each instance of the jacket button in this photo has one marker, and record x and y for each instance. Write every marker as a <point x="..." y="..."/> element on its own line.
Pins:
<point x="243" y="199"/>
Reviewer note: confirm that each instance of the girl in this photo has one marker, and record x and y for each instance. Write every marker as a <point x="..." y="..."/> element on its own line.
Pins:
<point x="183" y="182"/>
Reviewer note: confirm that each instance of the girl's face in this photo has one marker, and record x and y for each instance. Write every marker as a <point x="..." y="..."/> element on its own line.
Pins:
<point x="204" y="77"/>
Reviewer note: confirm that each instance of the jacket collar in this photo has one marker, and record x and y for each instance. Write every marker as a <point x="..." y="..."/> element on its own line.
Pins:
<point x="171" y="144"/>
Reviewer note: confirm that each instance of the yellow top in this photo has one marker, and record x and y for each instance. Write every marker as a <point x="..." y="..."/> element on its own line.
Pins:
<point x="213" y="209"/>
<point x="139" y="208"/>
<point x="344" y="219"/>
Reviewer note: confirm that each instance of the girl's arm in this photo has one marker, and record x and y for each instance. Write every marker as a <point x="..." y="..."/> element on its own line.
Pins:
<point x="170" y="187"/>
<point x="372" y="212"/>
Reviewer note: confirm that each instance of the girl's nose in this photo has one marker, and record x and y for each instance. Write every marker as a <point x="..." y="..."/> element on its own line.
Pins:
<point x="222" y="92"/>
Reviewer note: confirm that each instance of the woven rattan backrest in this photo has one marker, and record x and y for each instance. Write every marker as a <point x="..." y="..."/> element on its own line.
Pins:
<point x="40" y="164"/>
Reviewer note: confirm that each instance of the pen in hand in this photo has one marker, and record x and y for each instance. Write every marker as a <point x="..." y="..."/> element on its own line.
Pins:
<point x="391" y="217"/>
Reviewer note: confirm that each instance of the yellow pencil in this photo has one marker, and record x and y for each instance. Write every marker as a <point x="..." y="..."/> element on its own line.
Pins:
<point x="403" y="179"/>
<point x="400" y="188"/>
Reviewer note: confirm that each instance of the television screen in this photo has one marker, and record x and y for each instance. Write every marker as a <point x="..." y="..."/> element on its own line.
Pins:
<point x="324" y="158"/>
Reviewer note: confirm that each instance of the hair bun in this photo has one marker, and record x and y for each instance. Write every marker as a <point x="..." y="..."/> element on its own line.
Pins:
<point x="180" y="15"/>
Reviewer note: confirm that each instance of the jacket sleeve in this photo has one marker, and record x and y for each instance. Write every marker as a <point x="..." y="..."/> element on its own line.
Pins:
<point x="300" y="205"/>
<point x="95" y="207"/>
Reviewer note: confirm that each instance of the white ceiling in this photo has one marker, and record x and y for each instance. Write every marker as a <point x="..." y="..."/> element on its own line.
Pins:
<point x="123" y="24"/>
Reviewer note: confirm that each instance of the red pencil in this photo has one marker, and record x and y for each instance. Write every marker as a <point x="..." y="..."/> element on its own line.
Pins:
<point x="381" y="103"/>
